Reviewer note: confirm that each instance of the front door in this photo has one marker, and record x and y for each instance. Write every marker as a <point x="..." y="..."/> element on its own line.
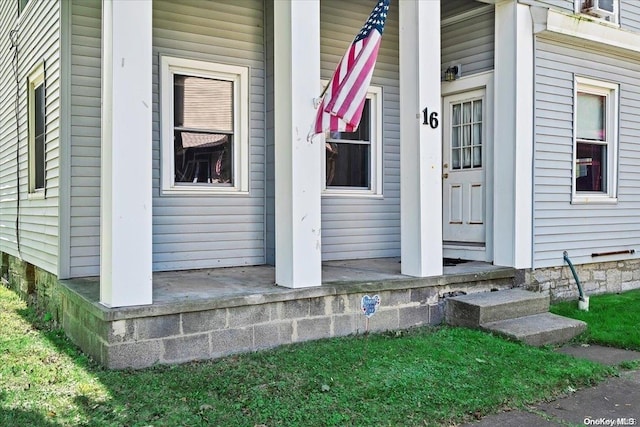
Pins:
<point x="463" y="178"/>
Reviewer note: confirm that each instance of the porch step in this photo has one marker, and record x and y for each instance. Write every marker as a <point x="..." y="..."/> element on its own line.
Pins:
<point x="513" y="313"/>
<point x="473" y="310"/>
<point x="538" y="329"/>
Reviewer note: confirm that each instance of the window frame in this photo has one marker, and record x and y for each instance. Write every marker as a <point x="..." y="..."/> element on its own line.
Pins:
<point x="239" y="75"/>
<point x="374" y="94"/>
<point x="35" y="79"/>
<point x="611" y="92"/>
<point x="615" y="16"/>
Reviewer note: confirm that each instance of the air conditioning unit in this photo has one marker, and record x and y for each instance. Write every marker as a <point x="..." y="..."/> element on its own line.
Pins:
<point x="604" y="9"/>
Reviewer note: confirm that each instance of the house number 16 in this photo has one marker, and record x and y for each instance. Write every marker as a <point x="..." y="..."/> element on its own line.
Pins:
<point x="430" y="119"/>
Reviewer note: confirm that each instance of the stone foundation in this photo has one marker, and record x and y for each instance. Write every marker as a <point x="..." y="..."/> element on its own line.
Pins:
<point x="595" y="278"/>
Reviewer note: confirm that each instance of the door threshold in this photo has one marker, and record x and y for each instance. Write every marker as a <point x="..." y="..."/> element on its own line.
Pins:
<point x="464" y="245"/>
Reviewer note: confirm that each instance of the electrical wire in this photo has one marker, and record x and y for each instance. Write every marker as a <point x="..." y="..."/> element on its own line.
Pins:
<point x="13" y="38"/>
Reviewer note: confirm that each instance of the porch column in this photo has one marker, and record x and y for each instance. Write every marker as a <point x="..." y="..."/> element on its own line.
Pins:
<point x="297" y="161"/>
<point x="513" y="137"/>
<point x="125" y="210"/>
<point x="420" y="143"/>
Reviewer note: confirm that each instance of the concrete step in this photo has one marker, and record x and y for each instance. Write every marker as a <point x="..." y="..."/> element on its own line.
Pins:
<point x="472" y="310"/>
<point x="538" y="329"/>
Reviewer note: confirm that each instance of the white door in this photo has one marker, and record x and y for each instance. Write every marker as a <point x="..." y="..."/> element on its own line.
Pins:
<point x="463" y="179"/>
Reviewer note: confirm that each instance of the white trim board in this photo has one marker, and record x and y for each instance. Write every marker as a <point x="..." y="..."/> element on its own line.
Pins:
<point x="555" y="24"/>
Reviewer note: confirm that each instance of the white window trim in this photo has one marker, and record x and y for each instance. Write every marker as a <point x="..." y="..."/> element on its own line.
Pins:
<point x="35" y="79"/>
<point x="610" y="90"/>
<point x="374" y="93"/>
<point x="616" y="13"/>
<point x="240" y="77"/>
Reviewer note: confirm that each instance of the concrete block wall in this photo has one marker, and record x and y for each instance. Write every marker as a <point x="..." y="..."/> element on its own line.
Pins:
<point x="138" y="337"/>
<point x="595" y="278"/>
<point x="138" y="342"/>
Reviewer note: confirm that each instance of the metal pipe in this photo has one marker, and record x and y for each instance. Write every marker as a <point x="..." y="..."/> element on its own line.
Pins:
<point x="627" y="251"/>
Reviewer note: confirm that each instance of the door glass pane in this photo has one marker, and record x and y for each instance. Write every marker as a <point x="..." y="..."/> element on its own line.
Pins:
<point x="591" y="117"/>
<point x="466" y="157"/>
<point x="466" y="112"/>
<point x="466" y="135"/>
<point x="455" y="159"/>
<point x="456" y="114"/>
<point x="477" y="157"/>
<point x="477" y="110"/>
<point x="455" y="137"/>
<point x="477" y="134"/>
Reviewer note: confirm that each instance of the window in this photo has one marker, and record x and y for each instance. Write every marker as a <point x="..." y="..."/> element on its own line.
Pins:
<point x="595" y="135"/>
<point x="353" y="160"/>
<point x="36" y="130"/>
<point x="606" y="10"/>
<point x="466" y="135"/>
<point x="205" y="129"/>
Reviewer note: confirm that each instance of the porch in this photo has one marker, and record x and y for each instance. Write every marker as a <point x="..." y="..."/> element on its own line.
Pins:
<point x="205" y="314"/>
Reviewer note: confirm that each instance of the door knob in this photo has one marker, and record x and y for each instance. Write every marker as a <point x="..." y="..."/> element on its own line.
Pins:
<point x="445" y="175"/>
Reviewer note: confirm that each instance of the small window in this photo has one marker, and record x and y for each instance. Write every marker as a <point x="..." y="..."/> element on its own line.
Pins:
<point x="606" y="10"/>
<point x="37" y="130"/>
<point x="353" y="160"/>
<point x="204" y="127"/>
<point x="595" y="148"/>
<point x="466" y="135"/>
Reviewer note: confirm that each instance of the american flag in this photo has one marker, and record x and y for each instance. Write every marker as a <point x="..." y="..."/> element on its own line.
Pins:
<point x="343" y="99"/>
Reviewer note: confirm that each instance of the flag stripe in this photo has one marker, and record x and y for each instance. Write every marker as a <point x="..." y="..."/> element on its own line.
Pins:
<point x="343" y="100"/>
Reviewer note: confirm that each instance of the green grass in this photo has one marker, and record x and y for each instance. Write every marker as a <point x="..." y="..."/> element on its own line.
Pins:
<point x="613" y="320"/>
<point x="427" y="376"/>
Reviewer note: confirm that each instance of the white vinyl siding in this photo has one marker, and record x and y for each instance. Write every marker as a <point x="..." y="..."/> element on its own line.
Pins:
<point x="85" y="138"/>
<point x="39" y="42"/>
<point x="628" y="11"/>
<point x="451" y="8"/>
<point x="566" y="5"/>
<point x="630" y="15"/>
<point x="469" y="42"/>
<point x="558" y="225"/>
<point x="361" y="227"/>
<point x="188" y="231"/>
<point x="212" y="230"/>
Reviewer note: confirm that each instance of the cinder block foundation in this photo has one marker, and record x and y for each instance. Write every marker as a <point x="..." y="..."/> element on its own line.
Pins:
<point x="181" y="331"/>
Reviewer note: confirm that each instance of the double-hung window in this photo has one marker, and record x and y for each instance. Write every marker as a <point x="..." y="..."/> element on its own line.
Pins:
<point x="205" y="126"/>
<point x="595" y="141"/>
<point x="605" y="10"/>
<point x="353" y="160"/>
<point x="36" y="130"/>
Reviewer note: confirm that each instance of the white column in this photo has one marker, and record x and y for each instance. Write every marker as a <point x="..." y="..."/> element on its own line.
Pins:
<point x="297" y="161"/>
<point x="420" y="144"/>
<point x="125" y="211"/>
<point x="513" y="138"/>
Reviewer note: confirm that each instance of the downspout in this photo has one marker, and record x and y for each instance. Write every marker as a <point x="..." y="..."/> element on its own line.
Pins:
<point x="583" y="301"/>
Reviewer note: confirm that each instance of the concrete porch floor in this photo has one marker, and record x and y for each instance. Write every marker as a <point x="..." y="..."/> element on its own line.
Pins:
<point x="175" y="288"/>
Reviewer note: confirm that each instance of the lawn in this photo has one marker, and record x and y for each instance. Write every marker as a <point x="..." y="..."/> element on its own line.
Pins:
<point x="425" y="376"/>
<point x="613" y="319"/>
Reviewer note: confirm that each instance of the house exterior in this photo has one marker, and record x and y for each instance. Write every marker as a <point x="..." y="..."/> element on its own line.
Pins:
<point x="149" y="136"/>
